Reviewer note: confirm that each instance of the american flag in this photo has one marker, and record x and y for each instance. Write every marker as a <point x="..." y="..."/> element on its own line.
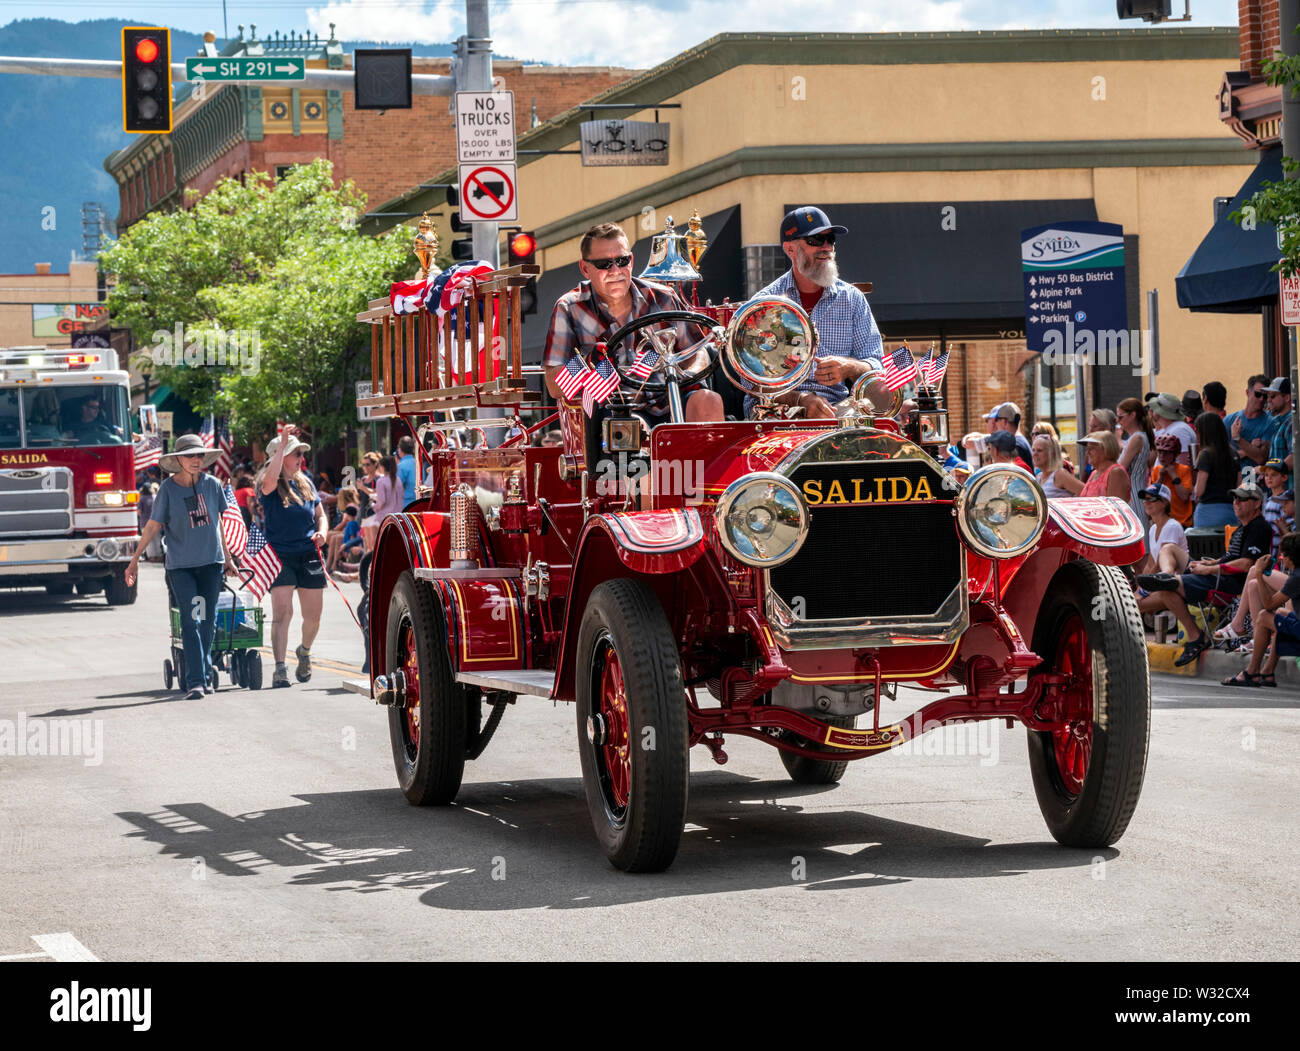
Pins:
<point x="602" y="382"/>
<point x="900" y="369"/>
<point x="646" y="362"/>
<point x="406" y="297"/>
<point x="932" y="369"/>
<point x="261" y="562"/>
<point x="208" y="433"/>
<point x="233" y="530"/>
<point x="571" y="378"/>
<point x="148" y="450"/>
<point x="222" y="468"/>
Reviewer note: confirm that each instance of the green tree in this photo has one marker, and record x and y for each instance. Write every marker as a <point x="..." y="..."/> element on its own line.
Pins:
<point x="282" y="263"/>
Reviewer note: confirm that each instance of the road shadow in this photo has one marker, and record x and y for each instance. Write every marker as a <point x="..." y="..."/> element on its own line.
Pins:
<point x="35" y="602"/>
<point x="530" y="844"/>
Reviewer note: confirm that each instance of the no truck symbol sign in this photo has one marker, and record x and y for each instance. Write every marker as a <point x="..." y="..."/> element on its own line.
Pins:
<point x="487" y="193"/>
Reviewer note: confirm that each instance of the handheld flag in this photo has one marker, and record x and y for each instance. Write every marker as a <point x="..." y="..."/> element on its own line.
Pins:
<point x="233" y="530"/>
<point x="260" y="562"/>
<point x="148" y="451"/>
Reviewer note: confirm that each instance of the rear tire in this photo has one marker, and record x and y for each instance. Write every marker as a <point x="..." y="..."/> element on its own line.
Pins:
<point x="428" y="734"/>
<point x="805" y="771"/>
<point x="632" y="726"/>
<point x="1088" y="772"/>
<point x="116" y="590"/>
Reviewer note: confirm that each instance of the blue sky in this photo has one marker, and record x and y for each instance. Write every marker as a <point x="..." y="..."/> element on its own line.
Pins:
<point x="634" y="33"/>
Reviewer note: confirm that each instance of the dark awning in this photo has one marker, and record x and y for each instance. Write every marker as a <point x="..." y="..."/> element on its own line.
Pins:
<point x="722" y="269"/>
<point x="1231" y="271"/>
<point x="926" y="262"/>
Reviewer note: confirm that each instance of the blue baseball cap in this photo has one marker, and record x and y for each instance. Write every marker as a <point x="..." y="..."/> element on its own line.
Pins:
<point x="805" y="221"/>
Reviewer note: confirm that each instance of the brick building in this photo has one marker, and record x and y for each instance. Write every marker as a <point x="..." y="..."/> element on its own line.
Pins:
<point x="238" y="128"/>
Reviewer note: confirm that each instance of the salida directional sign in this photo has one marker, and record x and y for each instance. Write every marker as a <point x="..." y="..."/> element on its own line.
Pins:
<point x="1074" y="288"/>
<point x="245" y="68"/>
<point x="485" y="126"/>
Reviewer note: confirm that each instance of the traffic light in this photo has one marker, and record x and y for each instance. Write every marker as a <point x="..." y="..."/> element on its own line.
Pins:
<point x="146" y="80"/>
<point x="462" y="248"/>
<point x="522" y="248"/>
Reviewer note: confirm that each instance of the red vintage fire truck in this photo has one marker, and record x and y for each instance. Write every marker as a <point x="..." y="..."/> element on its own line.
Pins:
<point x="68" y="503"/>
<point x="772" y="578"/>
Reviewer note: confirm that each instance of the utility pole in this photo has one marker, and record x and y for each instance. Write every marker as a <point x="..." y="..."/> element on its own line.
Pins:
<point x="474" y="73"/>
<point x="1289" y="19"/>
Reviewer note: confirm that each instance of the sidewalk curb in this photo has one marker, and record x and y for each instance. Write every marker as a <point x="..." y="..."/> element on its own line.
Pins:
<point x="1214" y="665"/>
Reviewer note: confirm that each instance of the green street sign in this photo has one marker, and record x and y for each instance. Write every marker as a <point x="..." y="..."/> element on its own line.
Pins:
<point x="245" y="68"/>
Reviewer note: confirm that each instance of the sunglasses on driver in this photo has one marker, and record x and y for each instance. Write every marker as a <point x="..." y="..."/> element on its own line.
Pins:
<point x="619" y="261"/>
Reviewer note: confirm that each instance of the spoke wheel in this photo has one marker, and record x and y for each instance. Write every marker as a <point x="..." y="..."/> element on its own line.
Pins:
<point x="1089" y="763"/>
<point x="632" y="726"/>
<point x="428" y="732"/>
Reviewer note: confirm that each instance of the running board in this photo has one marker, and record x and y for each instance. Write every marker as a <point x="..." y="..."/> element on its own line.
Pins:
<point x="526" y="682"/>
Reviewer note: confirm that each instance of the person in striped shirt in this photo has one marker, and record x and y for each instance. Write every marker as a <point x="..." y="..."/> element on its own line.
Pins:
<point x="847" y="334"/>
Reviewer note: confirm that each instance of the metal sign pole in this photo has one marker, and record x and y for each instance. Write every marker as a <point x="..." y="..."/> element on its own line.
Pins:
<point x="475" y="74"/>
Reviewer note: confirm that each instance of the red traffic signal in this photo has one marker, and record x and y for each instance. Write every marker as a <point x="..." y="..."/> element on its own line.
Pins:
<point x="146" y="80"/>
<point x="522" y="246"/>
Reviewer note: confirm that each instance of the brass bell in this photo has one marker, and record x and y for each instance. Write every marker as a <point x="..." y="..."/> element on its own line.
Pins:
<point x="666" y="261"/>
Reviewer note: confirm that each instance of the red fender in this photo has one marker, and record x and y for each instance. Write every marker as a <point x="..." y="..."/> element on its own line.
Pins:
<point x="668" y="549"/>
<point x="1103" y="529"/>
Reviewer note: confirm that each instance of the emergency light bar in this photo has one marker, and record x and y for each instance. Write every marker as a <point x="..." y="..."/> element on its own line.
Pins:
<point x="43" y="358"/>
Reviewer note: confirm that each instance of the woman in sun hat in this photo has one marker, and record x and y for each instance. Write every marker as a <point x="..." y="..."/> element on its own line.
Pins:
<point x="295" y="529"/>
<point x="1108" y="478"/>
<point x="187" y="512"/>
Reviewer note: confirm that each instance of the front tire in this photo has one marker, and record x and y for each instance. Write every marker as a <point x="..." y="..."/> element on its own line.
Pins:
<point x="252" y="670"/>
<point x="1088" y="770"/>
<point x="428" y="734"/>
<point x="632" y="726"/>
<point x="116" y="590"/>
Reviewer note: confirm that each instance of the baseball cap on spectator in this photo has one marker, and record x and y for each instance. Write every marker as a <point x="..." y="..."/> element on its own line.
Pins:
<point x="351" y="509"/>
<point x="1191" y="403"/>
<point x="1008" y="410"/>
<point x="1280" y="385"/>
<point x="1278" y="465"/>
<point x="1215" y="394"/>
<point x="1168" y="443"/>
<point x="805" y="221"/>
<point x="1165" y="405"/>
<point x="1157" y="492"/>
<point x="1003" y="441"/>
<point x="1247" y="492"/>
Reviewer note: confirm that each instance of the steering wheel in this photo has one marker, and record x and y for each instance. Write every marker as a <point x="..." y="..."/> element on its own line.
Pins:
<point x="688" y="365"/>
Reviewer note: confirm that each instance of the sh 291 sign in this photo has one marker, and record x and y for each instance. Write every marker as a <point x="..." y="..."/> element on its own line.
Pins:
<point x="623" y="142"/>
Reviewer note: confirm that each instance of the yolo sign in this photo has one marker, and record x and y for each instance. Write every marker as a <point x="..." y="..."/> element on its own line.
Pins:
<point x="245" y="68"/>
<point x="485" y="126"/>
<point x="1075" y="303"/>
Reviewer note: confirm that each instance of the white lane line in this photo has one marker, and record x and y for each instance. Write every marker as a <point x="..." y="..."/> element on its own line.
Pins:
<point x="64" y="948"/>
<point x="26" y="956"/>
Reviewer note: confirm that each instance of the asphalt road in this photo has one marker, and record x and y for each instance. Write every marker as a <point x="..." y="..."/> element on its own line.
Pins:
<point x="268" y="826"/>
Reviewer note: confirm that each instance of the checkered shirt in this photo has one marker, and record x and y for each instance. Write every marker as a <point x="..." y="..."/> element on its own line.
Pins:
<point x="580" y="321"/>
<point x="845" y="328"/>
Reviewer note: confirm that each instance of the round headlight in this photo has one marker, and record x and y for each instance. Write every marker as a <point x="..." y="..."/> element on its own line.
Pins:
<point x="1001" y="511"/>
<point x="771" y="346"/>
<point x="762" y="520"/>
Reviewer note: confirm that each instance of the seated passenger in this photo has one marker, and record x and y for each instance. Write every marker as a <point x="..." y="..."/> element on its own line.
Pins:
<point x="607" y="299"/>
<point x="847" y="333"/>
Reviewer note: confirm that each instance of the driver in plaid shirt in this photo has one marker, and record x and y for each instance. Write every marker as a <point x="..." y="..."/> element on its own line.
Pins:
<point x="607" y="299"/>
<point x="847" y="333"/>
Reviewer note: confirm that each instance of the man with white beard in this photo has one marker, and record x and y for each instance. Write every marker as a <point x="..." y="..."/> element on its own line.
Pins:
<point x="848" y="337"/>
